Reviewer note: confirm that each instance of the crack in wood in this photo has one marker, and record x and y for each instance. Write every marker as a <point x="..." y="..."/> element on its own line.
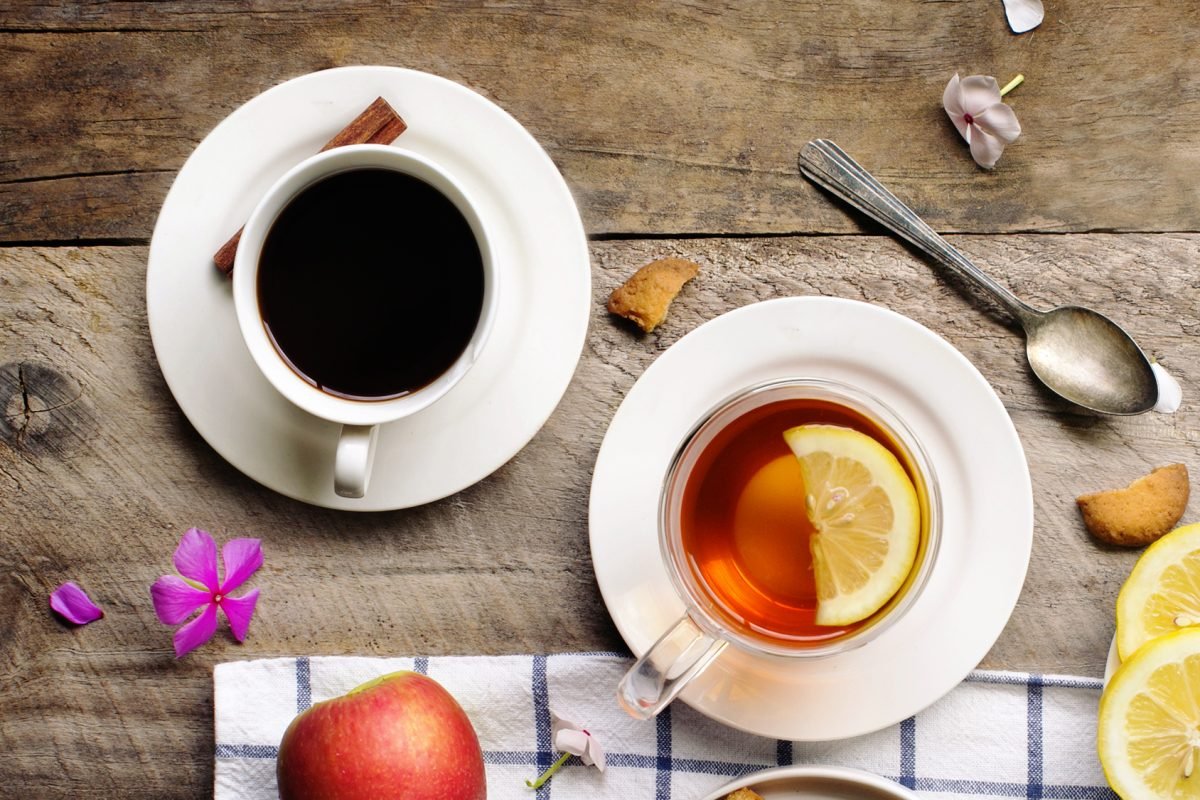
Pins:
<point x="81" y="31"/>
<point x="73" y="175"/>
<point x="29" y="412"/>
<point x="16" y="481"/>
<point x="32" y="397"/>
<point x="77" y="243"/>
<point x="629" y="236"/>
<point x="870" y="230"/>
<point x="26" y="412"/>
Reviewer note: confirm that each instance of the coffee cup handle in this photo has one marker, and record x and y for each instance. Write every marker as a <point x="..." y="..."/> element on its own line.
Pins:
<point x="679" y="655"/>
<point x="353" y="459"/>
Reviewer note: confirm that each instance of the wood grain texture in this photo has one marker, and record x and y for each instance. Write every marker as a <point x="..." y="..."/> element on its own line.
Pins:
<point x="668" y="120"/>
<point x="100" y="474"/>
<point x="665" y="117"/>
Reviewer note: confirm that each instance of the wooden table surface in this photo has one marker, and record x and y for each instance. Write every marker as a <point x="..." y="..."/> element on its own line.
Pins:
<point x="677" y="127"/>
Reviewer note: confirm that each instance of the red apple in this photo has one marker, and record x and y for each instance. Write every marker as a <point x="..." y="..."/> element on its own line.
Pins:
<point x="398" y="737"/>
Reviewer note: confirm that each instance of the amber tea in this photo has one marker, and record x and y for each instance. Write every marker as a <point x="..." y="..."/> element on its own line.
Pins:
<point x="744" y="529"/>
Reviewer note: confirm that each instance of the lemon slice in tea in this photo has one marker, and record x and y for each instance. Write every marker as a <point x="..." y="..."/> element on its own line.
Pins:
<point x="1162" y="593"/>
<point x="1149" y="737"/>
<point x="867" y="518"/>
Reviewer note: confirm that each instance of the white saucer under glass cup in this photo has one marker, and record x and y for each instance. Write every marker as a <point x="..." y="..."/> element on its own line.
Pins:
<point x="360" y="418"/>
<point x="709" y="624"/>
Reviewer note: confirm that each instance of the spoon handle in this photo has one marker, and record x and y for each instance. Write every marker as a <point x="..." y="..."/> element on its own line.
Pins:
<point x="828" y="166"/>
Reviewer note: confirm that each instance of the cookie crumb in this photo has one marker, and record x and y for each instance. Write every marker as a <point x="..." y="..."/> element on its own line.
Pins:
<point x="1140" y="513"/>
<point x="645" y="297"/>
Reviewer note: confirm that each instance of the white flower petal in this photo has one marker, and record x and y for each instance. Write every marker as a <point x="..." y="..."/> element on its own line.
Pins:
<point x="558" y="723"/>
<point x="1001" y="122"/>
<point x="952" y="102"/>
<point x="1024" y="15"/>
<point x="979" y="93"/>
<point x="985" y="148"/>
<point x="964" y="130"/>
<point x="952" y="97"/>
<point x="595" y="753"/>
<point x="571" y="741"/>
<point x="1170" y="394"/>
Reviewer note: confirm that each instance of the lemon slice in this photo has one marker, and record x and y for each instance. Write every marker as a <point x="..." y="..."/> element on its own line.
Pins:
<point x="867" y="519"/>
<point x="1149" y="738"/>
<point x="1162" y="593"/>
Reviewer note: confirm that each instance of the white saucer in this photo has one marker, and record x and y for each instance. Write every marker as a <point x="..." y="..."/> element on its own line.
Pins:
<point x="816" y="783"/>
<point x="987" y="502"/>
<point x="529" y="358"/>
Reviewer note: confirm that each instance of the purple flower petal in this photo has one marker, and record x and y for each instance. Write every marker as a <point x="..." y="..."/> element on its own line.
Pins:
<point x="73" y="604"/>
<point x="175" y="599"/>
<point x="239" y="610"/>
<point x="196" y="632"/>
<point x="241" y="557"/>
<point x="196" y="557"/>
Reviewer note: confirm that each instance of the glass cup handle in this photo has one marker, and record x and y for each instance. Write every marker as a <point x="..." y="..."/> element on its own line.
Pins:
<point x="679" y="655"/>
<point x="353" y="459"/>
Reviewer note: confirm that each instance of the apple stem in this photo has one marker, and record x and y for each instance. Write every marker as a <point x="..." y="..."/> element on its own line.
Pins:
<point x="545" y="776"/>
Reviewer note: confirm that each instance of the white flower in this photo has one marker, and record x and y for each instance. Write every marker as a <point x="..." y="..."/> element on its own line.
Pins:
<point x="570" y="738"/>
<point x="982" y="119"/>
<point x="1024" y="15"/>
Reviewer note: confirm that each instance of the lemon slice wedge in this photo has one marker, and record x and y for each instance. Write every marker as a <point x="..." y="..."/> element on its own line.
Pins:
<point x="867" y="518"/>
<point x="1149" y="737"/>
<point x="1162" y="593"/>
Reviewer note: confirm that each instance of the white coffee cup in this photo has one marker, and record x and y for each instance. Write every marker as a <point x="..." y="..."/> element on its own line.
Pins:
<point x="360" y="419"/>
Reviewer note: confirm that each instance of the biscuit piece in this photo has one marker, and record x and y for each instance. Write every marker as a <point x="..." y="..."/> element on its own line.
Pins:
<point x="644" y="298"/>
<point x="744" y="794"/>
<point x="1141" y="512"/>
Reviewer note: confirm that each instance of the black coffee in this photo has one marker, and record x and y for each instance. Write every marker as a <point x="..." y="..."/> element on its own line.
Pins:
<point x="370" y="283"/>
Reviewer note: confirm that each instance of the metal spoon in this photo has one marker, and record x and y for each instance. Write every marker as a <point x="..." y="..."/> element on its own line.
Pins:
<point x="1078" y="353"/>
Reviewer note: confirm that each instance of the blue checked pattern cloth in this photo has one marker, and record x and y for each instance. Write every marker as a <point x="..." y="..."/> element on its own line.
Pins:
<point x="997" y="735"/>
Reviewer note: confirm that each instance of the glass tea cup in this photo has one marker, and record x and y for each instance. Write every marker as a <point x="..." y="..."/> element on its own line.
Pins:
<point x="737" y="448"/>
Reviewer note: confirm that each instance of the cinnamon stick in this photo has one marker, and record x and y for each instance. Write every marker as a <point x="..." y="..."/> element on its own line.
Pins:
<point x="378" y="124"/>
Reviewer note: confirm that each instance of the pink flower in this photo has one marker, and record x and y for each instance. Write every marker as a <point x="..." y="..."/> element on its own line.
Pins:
<point x="984" y="121"/>
<point x="73" y="604"/>
<point x="572" y="740"/>
<point x="176" y="598"/>
<point x="576" y="740"/>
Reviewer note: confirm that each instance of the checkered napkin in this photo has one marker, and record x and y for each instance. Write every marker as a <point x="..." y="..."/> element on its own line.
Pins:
<point x="997" y="735"/>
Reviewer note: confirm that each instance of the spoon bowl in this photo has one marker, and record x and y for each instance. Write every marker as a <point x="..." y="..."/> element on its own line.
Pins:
<point x="1079" y="354"/>
<point x="1090" y="360"/>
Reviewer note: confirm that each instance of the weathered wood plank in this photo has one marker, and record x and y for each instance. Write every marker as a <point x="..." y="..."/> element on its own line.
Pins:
<point x="665" y="118"/>
<point x="100" y="473"/>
